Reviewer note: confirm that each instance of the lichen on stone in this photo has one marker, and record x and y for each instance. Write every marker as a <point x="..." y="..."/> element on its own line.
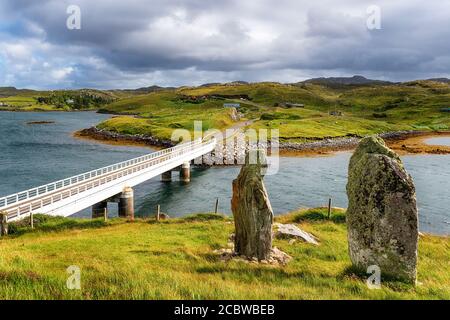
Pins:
<point x="382" y="217"/>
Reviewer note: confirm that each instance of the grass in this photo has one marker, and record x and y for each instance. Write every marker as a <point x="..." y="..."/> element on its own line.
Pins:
<point x="174" y="259"/>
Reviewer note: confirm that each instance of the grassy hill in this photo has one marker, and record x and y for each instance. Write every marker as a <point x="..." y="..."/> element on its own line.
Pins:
<point x="333" y="107"/>
<point x="329" y="111"/>
<point x="12" y="99"/>
<point x="175" y="259"/>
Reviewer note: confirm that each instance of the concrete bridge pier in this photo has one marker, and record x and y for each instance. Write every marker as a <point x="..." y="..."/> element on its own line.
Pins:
<point x="166" y="176"/>
<point x="126" y="203"/>
<point x="98" y="209"/>
<point x="185" y="172"/>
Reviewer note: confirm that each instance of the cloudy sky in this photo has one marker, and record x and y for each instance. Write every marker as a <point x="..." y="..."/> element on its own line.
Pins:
<point x="135" y="43"/>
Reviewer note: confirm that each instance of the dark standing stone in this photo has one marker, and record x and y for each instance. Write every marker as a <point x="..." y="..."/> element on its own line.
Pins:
<point x="253" y="215"/>
<point x="382" y="217"/>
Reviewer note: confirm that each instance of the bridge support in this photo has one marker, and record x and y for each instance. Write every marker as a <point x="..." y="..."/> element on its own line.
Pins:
<point x="3" y="223"/>
<point x="98" y="209"/>
<point x="126" y="203"/>
<point x="166" y="176"/>
<point x="185" y="172"/>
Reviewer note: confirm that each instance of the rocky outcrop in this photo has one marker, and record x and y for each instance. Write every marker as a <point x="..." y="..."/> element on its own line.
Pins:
<point x="253" y="215"/>
<point x="382" y="217"/>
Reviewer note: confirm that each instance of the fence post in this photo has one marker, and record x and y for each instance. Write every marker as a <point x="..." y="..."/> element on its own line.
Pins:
<point x="3" y="223"/>
<point x="31" y="220"/>
<point x="105" y="214"/>
<point x="158" y="211"/>
<point x="329" y="208"/>
<point x="217" y="206"/>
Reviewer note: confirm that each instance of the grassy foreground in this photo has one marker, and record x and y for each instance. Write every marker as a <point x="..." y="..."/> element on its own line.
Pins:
<point x="174" y="260"/>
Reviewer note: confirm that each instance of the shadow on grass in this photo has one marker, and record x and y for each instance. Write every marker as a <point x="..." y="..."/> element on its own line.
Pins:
<point x="204" y="217"/>
<point x="45" y="223"/>
<point x="197" y="217"/>
<point x="389" y="281"/>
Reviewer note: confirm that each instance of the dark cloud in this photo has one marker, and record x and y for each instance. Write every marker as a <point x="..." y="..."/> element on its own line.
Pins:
<point x="138" y="42"/>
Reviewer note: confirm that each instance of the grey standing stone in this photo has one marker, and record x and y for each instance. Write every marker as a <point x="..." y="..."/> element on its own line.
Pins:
<point x="382" y="217"/>
<point x="253" y="215"/>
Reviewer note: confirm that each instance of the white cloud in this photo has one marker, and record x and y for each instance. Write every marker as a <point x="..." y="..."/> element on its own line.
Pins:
<point x="17" y="52"/>
<point x="60" y="74"/>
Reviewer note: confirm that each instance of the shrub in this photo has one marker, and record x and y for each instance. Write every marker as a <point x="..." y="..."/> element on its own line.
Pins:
<point x="379" y="115"/>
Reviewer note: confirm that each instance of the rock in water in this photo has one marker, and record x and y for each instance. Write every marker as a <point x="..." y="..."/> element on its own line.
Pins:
<point x="382" y="218"/>
<point x="253" y="215"/>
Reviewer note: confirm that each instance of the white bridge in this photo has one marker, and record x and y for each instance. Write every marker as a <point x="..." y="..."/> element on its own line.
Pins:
<point x="112" y="183"/>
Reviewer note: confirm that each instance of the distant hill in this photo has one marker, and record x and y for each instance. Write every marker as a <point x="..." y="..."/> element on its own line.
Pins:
<point x="339" y="81"/>
<point x="443" y="80"/>
<point x="12" y="91"/>
<point x="213" y="84"/>
<point x="143" y="90"/>
<point x="152" y="89"/>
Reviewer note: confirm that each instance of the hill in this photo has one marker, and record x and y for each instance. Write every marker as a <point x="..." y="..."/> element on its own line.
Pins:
<point x="12" y="91"/>
<point x="322" y="111"/>
<point x="142" y="90"/>
<point x="443" y="80"/>
<point x="338" y="81"/>
<point x="58" y="100"/>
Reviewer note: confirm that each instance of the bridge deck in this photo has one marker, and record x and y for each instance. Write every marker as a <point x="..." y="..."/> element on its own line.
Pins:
<point x="70" y="195"/>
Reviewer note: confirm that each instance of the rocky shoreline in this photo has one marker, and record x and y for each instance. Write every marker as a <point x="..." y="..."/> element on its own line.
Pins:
<point x="223" y="156"/>
<point x="105" y="135"/>
<point x="344" y="143"/>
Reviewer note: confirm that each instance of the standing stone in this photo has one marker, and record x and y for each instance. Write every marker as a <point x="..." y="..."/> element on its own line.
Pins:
<point x="382" y="217"/>
<point x="253" y="215"/>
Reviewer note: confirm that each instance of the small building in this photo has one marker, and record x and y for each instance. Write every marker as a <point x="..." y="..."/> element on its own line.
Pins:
<point x="232" y="105"/>
<point x="69" y="101"/>
<point x="293" y="105"/>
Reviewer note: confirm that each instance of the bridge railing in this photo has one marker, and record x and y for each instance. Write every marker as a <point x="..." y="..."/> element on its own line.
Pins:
<point x="41" y="191"/>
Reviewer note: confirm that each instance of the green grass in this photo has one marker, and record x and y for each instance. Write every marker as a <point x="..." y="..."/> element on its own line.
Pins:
<point x="174" y="259"/>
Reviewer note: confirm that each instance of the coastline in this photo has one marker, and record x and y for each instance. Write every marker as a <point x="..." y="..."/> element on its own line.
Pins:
<point x="403" y="142"/>
<point x="114" y="138"/>
<point x="45" y="110"/>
